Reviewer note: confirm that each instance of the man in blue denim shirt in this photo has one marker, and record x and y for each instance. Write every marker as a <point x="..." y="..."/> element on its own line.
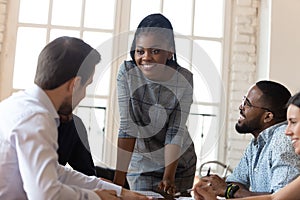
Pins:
<point x="269" y="161"/>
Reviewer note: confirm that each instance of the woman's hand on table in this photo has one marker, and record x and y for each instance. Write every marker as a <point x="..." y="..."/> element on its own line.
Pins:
<point x="167" y="186"/>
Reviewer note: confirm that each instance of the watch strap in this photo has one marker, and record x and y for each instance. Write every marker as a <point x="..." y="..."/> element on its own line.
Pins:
<point x="231" y="189"/>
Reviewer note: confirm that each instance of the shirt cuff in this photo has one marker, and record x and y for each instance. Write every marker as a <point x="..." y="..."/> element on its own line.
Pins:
<point x="111" y="186"/>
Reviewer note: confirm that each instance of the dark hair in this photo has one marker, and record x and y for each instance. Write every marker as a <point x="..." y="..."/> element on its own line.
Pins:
<point x="156" y="23"/>
<point x="63" y="59"/>
<point x="275" y="97"/>
<point x="295" y="100"/>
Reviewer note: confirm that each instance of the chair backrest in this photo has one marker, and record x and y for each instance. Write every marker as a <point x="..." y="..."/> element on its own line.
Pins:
<point x="215" y="167"/>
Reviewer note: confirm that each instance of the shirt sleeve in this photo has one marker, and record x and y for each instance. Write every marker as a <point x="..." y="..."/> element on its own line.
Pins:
<point x="42" y="176"/>
<point x="241" y="173"/>
<point x="127" y="128"/>
<point x="71" y="177"/>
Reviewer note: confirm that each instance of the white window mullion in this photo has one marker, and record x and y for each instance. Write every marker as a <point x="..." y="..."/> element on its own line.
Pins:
<point x="120" y="45"/>
<point x="82" y="18"/>
<point x="49" y="20"/>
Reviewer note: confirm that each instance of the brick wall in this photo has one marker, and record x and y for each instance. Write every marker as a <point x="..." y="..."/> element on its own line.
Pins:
<point x="242" y="71"/>
<point x="3" y="7"/>
<point x="2" y="21"/>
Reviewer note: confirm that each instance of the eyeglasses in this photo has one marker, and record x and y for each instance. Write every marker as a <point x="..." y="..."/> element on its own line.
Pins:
<point x="246" y="103"/>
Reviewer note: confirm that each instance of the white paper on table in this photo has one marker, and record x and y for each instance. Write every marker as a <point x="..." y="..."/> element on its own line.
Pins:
<point x="150" y="194"/>
<point x="157" y="195"/>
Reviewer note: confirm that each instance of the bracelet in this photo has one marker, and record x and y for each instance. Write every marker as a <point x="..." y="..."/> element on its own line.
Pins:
<point x="231" y="190"/>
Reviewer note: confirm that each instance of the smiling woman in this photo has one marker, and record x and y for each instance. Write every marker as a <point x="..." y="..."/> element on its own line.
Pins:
<point x="155" y="94"/>
<point x="151" y="55"/>
<point x="293" y="117"/>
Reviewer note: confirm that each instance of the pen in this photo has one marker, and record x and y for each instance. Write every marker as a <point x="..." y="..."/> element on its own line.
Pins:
<point x="180" y="193"/>
<point x="208" y="172"/>
<point x="177" y="194"/>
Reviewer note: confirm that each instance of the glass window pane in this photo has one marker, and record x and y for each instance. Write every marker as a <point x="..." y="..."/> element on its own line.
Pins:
<point x="208" y="18"/>
<point x="140" y="9"/>
<point x="130" y="39"/>
<point x="103" y="42"/>
<point x="206" y="75"/>
<point x="92" y="101"/>
<point x="99" y="14"/>
<point x="181" y="21"/>
<point x="34" y="11"/>
<point x="184" y="51"/>
<point x="26" y="60"/>
<point x="93" y="113"/>
<point x="203" y="127"/>
<point x="202" y="91"/>
<point x="55" y="33"/>
<point x="98" y="39"/>
<point x="66" y="12"/>
<point x="183" y="62"/>
<point x="213" y="50"/>
<point x="101" y="81"/>
<point x="101" y="84"/>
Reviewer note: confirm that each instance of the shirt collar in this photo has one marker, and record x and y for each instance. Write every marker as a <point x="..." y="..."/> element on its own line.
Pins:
<point x="268" y="132"/>
<point x="38" y="93"/>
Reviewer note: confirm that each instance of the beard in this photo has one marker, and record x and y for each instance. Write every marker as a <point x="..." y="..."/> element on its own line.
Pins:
<point x="242" y="128"/>
<point x="65" y="109"/>
<point x="250" y="126"/>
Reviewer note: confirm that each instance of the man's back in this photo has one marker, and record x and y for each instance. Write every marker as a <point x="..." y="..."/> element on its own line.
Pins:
<point x="19" y="150"/>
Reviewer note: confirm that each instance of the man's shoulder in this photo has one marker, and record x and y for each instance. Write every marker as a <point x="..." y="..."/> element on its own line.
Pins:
<point x="278" y="128"/>
<point x="278" y="137"/>
<point x="15" y="104"/>
<point x="125" y="68"/>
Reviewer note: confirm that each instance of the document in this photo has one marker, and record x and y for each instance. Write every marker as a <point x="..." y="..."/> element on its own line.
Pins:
<point x="159" y="196"/>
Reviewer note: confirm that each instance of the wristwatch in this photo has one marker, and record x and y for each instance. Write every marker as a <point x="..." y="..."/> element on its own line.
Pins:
<point x="231" y="190"/>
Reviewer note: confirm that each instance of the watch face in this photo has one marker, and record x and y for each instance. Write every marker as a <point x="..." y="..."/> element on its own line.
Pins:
<point x="235" y="187"/>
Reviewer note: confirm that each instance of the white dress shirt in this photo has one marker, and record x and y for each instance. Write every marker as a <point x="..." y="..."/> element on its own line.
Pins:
<point x="29" y="166"/>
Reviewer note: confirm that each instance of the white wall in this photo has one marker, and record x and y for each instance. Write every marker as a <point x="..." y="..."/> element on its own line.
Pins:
<point x="284" y="49"/>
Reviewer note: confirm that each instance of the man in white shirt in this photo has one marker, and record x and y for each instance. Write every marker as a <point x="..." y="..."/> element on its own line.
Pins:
<point x="29" y="166"/>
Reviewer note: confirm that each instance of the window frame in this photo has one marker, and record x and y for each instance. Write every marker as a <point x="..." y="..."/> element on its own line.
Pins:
<point x="122" y="24"/>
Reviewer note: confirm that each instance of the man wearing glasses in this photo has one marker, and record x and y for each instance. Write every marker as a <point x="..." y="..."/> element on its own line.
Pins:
<point x="269" y="161"/>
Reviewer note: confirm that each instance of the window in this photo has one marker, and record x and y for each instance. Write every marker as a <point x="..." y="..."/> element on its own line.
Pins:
<point x="199" y="45"/>
<point x="35" y="29"/>
<point x="198" y="25"/>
